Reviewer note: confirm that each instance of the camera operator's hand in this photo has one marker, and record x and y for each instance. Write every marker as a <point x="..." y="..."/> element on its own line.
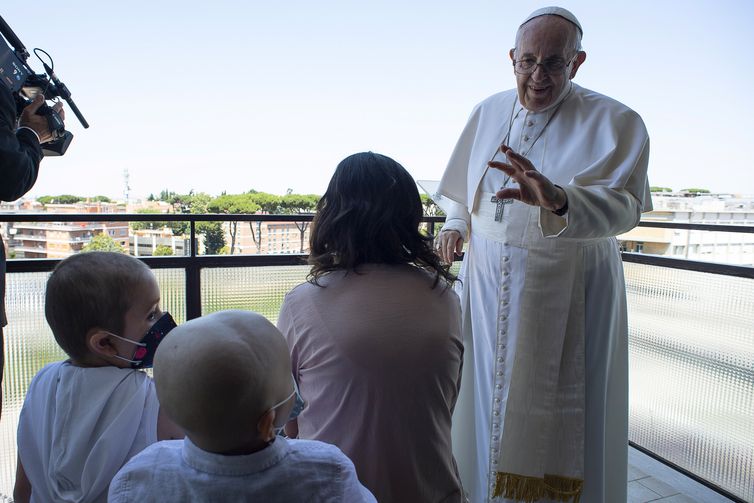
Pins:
<point x="38" y="123"/>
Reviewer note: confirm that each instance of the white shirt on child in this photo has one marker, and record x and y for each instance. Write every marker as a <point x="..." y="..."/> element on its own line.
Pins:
<point x="79" y="426"/>
<point x="285" y="471"/>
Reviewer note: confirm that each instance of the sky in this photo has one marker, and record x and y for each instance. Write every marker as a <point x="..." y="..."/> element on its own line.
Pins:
<point x="239" y="95"/>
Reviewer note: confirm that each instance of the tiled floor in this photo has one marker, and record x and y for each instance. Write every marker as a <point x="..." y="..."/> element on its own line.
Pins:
<point x="650" y="480"/>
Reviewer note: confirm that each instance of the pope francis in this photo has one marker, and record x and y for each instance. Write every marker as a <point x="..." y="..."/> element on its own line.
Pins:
<point x="541" y="181"/>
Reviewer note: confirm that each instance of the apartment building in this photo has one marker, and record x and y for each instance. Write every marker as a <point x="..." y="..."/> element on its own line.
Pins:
<point x="59" y="240"/>
<point x="267" y="237"/>
<point x="724" y="247"/>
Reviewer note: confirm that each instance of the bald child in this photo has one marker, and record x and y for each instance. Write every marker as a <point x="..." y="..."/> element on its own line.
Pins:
<point x="226" y="380"/>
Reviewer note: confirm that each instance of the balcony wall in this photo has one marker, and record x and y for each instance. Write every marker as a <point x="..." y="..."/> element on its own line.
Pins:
<point x="691" y="346"/>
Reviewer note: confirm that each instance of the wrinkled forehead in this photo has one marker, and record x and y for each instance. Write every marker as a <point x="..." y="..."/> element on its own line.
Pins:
<point x="545" y="37"/>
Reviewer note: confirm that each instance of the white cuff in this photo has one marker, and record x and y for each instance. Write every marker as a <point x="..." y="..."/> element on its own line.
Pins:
<point x="457" y="224"/>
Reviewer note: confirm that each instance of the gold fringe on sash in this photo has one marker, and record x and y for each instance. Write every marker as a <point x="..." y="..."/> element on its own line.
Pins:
<point x="531" y="489"/>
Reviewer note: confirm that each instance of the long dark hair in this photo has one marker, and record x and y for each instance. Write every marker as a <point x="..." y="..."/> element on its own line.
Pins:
<point x="370" y="214"/>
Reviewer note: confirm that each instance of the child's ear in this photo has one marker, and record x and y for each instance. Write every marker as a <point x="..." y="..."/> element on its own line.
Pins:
<point x="98" y="342"/>
<point x="266" y="426"/>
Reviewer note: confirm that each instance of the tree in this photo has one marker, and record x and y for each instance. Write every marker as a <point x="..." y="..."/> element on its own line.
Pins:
<point x="188" y="203"/>
<point x="182" y="202"/>
<point x="299" y="204"/>
<point x="268" y="203"/>
<point x="165" y="195"/>
<point x="162" y="250"/>
<point x="214" y="237"/>
<point x="61" y="199"/>
<point x="102" y="242"/>
<point x="696" y="191"/>
<point x="196" y="204"/>
<point x="101" y="199"/>
<point x="233" y="204"/>
<point x="660" y="189"/>
<point x="431" y="209"/>
<point x="148" y="224"/>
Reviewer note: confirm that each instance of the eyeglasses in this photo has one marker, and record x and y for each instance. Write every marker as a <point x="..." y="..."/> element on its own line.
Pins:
<point x="528" y="66"/>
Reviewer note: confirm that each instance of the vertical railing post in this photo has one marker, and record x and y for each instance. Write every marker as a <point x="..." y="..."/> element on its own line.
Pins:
<point x="193" y="279"/>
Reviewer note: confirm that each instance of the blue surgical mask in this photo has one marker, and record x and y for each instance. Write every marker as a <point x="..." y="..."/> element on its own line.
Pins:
<point x="143" y="355"/>
<point x="298" y="406"/>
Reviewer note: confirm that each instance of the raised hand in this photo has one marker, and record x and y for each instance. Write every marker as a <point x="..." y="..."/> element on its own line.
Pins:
<point x="534" y="188"/>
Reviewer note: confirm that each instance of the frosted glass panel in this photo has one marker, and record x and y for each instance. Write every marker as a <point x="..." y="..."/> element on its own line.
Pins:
<point x="259" y="289"/>
<point x="692" y="371"/>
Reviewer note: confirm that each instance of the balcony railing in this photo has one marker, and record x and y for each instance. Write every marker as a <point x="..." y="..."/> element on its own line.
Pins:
<point x="691" y="339"/>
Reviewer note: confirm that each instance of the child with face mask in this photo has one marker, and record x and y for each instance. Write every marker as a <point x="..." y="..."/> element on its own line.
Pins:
<point x="85" y="417"/>
<point x="225" y="378"/>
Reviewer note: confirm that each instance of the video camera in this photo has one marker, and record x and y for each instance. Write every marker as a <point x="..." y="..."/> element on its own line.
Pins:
<point x="17" y="75"/>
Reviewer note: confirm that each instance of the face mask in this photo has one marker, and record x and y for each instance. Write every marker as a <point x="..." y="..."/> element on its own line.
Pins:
<point x="145" y="349"/>
<point x="298" y="406"/>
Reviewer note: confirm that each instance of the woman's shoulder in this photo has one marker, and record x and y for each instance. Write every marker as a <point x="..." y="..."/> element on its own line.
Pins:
<point x="398" y="277"/>
<point x="407" y="279"/>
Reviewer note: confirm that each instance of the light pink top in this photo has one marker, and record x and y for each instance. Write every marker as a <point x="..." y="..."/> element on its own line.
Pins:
<point x="377" y="356"/>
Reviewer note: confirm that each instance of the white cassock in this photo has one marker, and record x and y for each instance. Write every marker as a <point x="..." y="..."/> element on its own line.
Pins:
<point x="543" y="410"/>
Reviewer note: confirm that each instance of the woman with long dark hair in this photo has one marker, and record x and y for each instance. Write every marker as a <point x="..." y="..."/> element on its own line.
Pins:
<point x="375" y="335"/>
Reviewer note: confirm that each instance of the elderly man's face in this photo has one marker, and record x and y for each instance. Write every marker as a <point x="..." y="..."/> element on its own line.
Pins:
<point x="548" y="40"/>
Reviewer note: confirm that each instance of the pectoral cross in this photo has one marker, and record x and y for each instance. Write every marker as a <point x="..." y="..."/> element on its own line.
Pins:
<point x="500" y="207"/>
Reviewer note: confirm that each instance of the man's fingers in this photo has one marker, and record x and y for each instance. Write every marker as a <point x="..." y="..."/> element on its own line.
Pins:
<point x="453" y="238"/>
<point x="502" y="166"/>
<point x="447" y="252"/>
<point x="36" y="103"/>
<point x="58" y="107"/>
<point x="540" y="181"/>
<point x="441" y="244"/>
<point x="511" y="154"/>
<point x="513" y="167"/>
<point x="508" y="193"/>
<point x="517" y="159"/>
<point x="448" y="242"/>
